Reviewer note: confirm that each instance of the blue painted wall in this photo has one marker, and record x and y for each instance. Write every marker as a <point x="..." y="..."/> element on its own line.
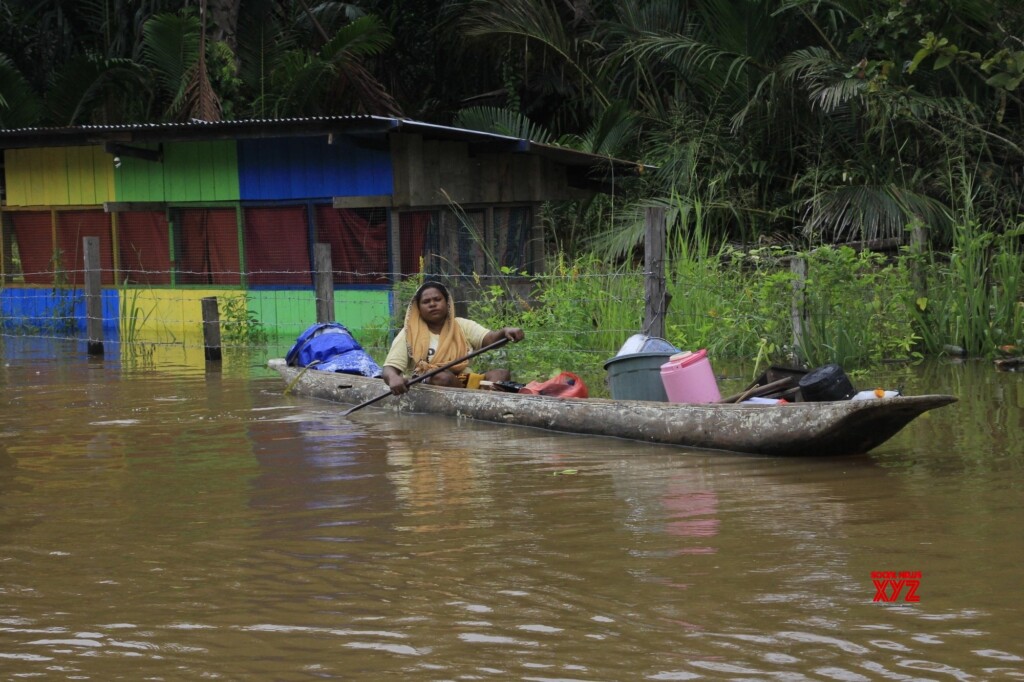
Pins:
<point x="55" y="310"/>
<point x="308" y="167"/>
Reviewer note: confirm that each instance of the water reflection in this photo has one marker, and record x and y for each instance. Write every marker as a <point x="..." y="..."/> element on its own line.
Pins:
<point x="424" y="478"/>
<point x="212" y="527"/>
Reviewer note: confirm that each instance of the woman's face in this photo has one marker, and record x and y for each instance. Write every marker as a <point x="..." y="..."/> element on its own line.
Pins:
<point x="433" y="306"/>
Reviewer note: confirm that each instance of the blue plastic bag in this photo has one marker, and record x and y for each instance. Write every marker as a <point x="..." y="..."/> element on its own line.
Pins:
<point x="330" y="347"/>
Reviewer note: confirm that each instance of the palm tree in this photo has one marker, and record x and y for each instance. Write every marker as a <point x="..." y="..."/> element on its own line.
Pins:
<point x="304" y="63"/>
<point x="19" y="104"/>
<point x="553" y="52"/>
<point x="108" y="61"/>
<point x="803" y="117"/>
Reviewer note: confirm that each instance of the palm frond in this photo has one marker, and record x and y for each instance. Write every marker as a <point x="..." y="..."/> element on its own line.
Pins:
<point x="689" y="55"/>
<point x="19" y="104"/>
<point x="356" y="89"/>
<point x="654" y="16"/>
<point x="537" y="23"/>
<point x="823" y="76"/>
<point x="612" y="133"/>
<point x="868" y="212"/>
<point x="199" y="101"/>
<point x="329" y="15"/>
<point x="747" y="28"/>
<point x="298" y="82"/>
<point x="171" y="48"/>
<point x="97" y="91"/>
<point x="263" y="41"/>
<point x="502" y="122"/>
<point x="364" y="37"/>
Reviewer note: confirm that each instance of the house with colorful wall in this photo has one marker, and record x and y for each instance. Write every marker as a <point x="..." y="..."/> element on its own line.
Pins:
<point x="185" y="211"/>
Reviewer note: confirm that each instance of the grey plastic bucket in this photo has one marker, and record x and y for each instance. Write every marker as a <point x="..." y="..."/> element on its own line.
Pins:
<point x="637" y="376"/>
<point x="641" y="343"/>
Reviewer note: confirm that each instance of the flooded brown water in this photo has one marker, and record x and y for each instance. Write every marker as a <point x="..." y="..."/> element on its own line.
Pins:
<point x="166" y="524"/>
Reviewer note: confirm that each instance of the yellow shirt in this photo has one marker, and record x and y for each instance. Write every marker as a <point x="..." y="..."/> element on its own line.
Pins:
<point x="398" y="356"/>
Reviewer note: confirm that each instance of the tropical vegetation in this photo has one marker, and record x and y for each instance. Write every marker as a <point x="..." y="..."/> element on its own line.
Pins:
<point x="763" y="124"/>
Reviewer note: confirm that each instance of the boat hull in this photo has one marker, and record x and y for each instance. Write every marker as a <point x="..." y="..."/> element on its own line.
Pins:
<point x="797" y="429"/>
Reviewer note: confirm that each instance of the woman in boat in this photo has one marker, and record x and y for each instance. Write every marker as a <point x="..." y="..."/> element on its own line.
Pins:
<point x="433" y="336"/>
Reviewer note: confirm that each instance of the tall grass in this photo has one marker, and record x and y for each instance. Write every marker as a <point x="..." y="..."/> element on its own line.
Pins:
<point x="736" y="305"/>
<point x="857" y="308"/>
<point x="861" y="307"/>
<point x="973" y="298"/>
<point x="133" y="319"/>
<point x="577" y="315"/>
<point x="713" y="300"/>
<point x="1007" y="296"/>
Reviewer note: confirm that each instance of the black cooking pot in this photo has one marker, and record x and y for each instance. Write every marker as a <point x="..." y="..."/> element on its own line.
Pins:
<point x="826" y="383"/>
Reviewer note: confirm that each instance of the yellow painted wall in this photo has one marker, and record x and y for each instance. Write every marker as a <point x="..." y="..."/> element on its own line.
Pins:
<point x="180" y="359"/>
<point x="167" y="315"/>
<point x="59" y="176"/>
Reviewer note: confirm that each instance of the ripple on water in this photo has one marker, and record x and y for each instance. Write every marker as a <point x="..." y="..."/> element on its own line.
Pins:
<point x="67" y="642"/>
<point x="834" y="673"/>
<point x="935" y="667"/>
<point x="480" y="638"/>
<point x="34" y="658"/>
<point x="888" y="644"/>
<point x="999" y="655"/>
<point x="400" y="649"/>
<point x="536" y="627"/>
<point x="811" y="638"/>
<point x="229" y="528"/>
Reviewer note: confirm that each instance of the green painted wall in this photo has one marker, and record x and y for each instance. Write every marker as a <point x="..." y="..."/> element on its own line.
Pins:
<point x="289" y="313"/>
<point x="190" y="171"/>
<point x="139" y="180"/>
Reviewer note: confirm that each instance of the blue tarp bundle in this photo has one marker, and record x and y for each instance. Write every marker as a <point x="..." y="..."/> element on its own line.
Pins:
<point x="333" y="348"/>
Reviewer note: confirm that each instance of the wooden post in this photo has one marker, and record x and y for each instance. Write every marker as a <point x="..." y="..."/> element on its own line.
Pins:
<point x="93" y="295"/>
<point x="460" y="298"/>
<point x="211" y="329"/>
<point x="535" y="247"/>
<point x="654" y="272"/>
<point x="798" y="306"/>
<point x="490" y="241"/>
<point x="5" y="259"/>
<point x="395" y="241"/>
<point x="919" y="250"/>
<point x="324" y="283"/>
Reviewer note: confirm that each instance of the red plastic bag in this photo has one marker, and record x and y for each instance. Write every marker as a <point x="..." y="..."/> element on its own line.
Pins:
<point x="565" y="385"/>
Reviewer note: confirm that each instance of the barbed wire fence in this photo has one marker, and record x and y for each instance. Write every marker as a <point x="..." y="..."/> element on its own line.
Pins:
<point x="589" y="313"/>
<point x="148" y="281"/>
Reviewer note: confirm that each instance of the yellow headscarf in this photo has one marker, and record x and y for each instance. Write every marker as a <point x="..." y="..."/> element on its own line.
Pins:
<point x="452" y="343"/>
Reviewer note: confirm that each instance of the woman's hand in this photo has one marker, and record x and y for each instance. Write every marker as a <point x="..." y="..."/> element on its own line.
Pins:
<point x="395" y="381"/>
<point x="514" y="334"/>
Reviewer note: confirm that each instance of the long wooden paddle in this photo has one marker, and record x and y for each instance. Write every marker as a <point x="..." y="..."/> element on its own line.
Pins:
<point x="423" y="377"/>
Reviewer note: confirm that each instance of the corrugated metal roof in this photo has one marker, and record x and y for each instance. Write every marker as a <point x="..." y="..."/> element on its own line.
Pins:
<point x="285" y="127"/>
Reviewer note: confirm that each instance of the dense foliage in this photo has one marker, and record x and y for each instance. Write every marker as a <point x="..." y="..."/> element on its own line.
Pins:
<point x="824" y="121"/>
<point x="768" y="121"/>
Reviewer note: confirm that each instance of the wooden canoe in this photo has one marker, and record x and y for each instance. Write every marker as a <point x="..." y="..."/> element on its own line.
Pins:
<point x="796" y="429"/>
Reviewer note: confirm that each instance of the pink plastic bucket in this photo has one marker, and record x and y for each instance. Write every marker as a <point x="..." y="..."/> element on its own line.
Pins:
<point x="688" y="378"/>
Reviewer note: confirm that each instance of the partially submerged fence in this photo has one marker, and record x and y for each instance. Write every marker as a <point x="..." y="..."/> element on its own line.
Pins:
<point x="576" y="313"/>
